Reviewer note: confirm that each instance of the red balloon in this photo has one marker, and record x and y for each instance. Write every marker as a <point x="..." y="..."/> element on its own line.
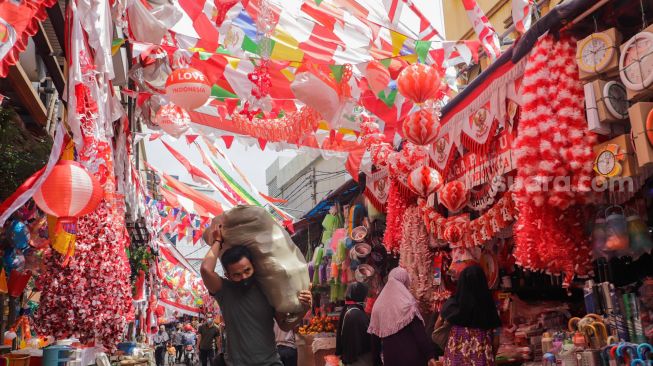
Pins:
<point x="420" y="83"/>
<point x="421" y="127"/>
<point x="188" y="88"/>
<point x="69" y="191"/>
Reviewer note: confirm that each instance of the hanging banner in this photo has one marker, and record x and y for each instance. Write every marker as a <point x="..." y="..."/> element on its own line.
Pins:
<point x="19" y="20"/>
<point x="377" y="186"/>
<point x="522" y="13"/>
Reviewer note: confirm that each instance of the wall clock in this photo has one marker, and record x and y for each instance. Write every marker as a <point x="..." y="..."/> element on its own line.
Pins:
<point x="595" y="52"/>
<point x="608" y="161"/>
<point x="649" y="127"/>
<point x="616" y="99"/>
<point x="636" y="62"/>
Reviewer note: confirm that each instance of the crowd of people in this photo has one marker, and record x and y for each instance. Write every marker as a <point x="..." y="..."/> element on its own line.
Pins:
<point x="188" y="344"/>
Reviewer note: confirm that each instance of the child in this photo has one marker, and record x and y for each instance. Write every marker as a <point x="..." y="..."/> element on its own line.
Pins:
<point x="172" y="353"/>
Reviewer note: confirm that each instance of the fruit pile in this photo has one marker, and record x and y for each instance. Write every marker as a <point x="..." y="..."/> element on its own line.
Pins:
<point x="320" y="324"/>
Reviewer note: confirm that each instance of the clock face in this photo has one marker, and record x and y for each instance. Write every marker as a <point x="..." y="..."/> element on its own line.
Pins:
<point x="616" y="99"/>
<point x="595" y="52"/>
<point x="637" y="62"/>
<point x="606" y="162"/>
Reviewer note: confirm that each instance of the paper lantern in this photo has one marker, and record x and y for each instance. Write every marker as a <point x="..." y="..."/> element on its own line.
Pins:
<point x="70" y="191"/>
<point x="454" y="196"/>
<point x="173" y="120"/>
<point x="424" y="181"/>
<point x="421" y="127"/>
<point x="453" y="233"/>
<point x="419" y="83"/>
<point x="378" y="76"/>
<point x="188" y="88"/>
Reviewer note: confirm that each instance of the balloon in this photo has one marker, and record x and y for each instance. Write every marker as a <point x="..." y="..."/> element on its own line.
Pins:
<point x="20" y="235"/>
<point x="173" y="120"/>
<point x="419" y="83"/>
<point x="378" y="76"/>
<point x="188" y="88"/>
<point x="421" y="127"/>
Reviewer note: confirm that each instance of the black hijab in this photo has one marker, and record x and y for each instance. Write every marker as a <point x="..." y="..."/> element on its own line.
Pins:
<point x="472" y="305"/>
<point x="354" y="341"/>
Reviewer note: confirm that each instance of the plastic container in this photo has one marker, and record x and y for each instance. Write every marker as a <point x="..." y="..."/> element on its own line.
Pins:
<point x="13" y="359"/>
<point x="56" y="355"/>
<point x="127" y="347"/>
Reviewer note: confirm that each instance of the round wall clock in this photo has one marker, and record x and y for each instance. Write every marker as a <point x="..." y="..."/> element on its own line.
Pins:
<point x="607" y="162"/>
<point x="636" y="62"/>
<point x="616" y="100"/>
<point x="595" y="52"/>
<point x="649" y="127"/>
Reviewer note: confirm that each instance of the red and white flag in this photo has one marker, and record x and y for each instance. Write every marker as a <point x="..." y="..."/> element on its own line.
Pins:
<point x="484" y="29"/>
<point x="522" y="13"/>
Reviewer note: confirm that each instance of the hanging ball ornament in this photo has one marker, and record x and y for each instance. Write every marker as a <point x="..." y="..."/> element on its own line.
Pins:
<point x="173" y="120"/>
<point x="424" y="180"/>
<point x="421" y="127"/>
<point x="188" y="88"/>
<point x="454" y="196"/>
<point x="70" y="191"/>
<point x="420" y="83"/>
<point x="454" y="233"/>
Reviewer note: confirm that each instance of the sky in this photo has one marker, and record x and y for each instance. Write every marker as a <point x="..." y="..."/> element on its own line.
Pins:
<point x="251" y="160"/>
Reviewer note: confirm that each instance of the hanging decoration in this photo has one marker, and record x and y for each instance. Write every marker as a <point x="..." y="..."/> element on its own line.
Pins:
<point x="554" y="175"/>
<point x="291" y="128"/>
<point x="173" y="120"/>
<point x="454" y="196"/>
<point x="474" y="232"/>
<point x="188" y="88"/>
<point x="377" y="76"/>
<point x="424" y="181"/>
<point x="420" y="83"/>
<point x="484" y="29"/>
<point x="421" y="127"/>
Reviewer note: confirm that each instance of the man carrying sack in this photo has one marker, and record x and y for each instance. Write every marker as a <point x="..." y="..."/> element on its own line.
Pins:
<point x="262" y="267"/>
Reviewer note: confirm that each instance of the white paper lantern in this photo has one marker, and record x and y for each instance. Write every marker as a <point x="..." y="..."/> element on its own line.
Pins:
<point x="188" y="88"/>
<point x="173" y="120"/>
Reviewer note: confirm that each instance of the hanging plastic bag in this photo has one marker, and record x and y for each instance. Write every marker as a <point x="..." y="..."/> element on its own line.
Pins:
<point x="638" y="236"/>
<point x="616" y="229"/>
<point x="150" y="26"/>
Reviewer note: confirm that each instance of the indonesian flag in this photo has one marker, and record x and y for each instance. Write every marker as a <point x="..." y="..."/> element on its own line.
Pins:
<point x="484" y="29"/>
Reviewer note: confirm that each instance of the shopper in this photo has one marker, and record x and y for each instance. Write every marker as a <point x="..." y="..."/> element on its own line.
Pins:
<point x="396" y="319"/>
<point x="353" y="343"/>
<point x="286" y="346"/>
<point x="208" y="335"/>
<point x="160" y="339"/>
<point x="177" y="341"/>
<point x="248" y="316"/>
<point x="473" y="317"/>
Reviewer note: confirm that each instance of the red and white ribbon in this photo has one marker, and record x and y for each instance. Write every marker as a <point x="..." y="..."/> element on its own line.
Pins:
<point x="483" y="28"/>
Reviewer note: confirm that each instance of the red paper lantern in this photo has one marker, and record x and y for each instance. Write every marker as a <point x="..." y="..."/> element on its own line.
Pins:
<point x="454" y="233"/>
<point x="424" y="181"/>
<point x="421" y="127"/>
<point x="419" y="83"/>
<point x="454" y="196"/>
<point x="188" y="88"/>
<point x="69" y="191"/>
<point x="172" y="119"/>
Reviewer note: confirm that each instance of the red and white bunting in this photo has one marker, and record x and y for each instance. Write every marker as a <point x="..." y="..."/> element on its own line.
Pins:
<point x="484" y="29"/>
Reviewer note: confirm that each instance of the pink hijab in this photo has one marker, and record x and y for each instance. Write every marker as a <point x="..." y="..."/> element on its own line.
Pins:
<point x="396" y="307"/>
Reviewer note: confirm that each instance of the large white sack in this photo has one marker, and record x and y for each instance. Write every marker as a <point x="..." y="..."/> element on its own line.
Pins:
<point x="280" y="267"/>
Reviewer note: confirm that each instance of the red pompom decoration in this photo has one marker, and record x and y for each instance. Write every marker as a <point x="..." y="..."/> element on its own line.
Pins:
<point x="424" y="180"/>
<point x="421" y="127"/>
<point x="454" y="196"/>
<point x="419" y="83"/>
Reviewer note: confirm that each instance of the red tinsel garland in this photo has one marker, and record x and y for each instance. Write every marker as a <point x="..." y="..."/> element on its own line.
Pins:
<point x="397" y="204"/>
<point x="291" y="128"/>
<point x="553" y="143"/>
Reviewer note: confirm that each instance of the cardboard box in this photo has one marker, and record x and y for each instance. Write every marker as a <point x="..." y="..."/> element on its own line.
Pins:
<point x="612" y="68"/>
<point x="629" y="164"/>
<point x="638" y="114"/>
<point x="643" y="150"/>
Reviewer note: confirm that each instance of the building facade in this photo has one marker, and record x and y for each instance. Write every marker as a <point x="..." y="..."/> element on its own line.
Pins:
<point x="304" y="181"/>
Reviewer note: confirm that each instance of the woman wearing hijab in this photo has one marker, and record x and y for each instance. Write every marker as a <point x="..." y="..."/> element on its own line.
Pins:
<point x="396" y="319"/>
<point x="353" y="343"/>
<point x="473" y="317"/>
